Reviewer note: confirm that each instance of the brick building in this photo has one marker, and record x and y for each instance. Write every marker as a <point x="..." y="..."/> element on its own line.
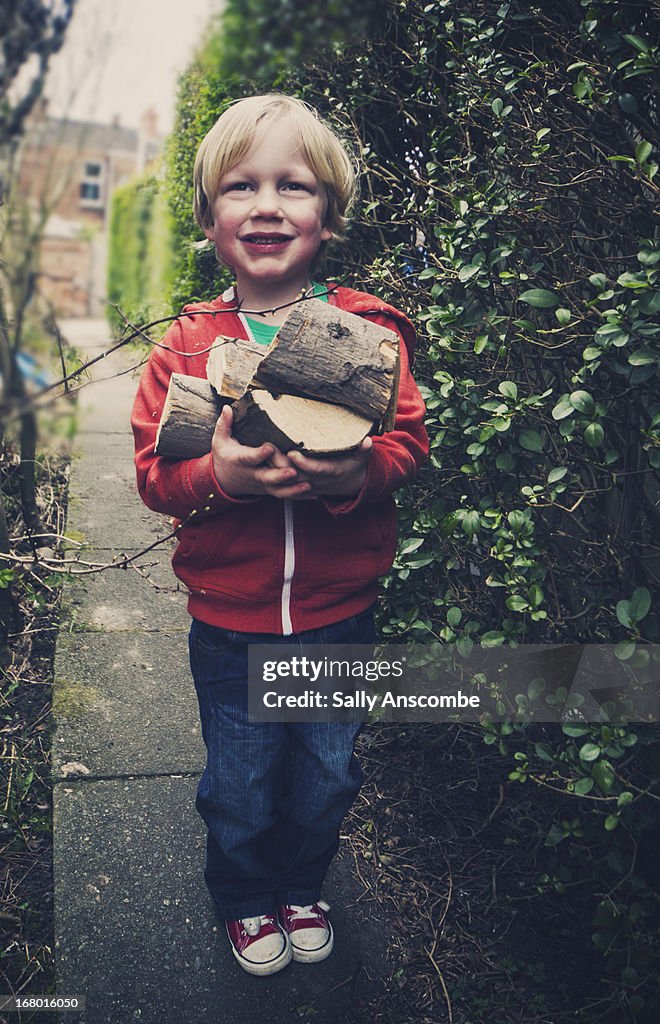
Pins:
<point x="68" y="171"/>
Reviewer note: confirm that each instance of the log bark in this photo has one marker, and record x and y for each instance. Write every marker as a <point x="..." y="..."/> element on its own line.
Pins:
<point x="188" y="420"/>
<point x="324" y="352"/>
<point x="288" y="421"/>
<point x="232" y="363"/>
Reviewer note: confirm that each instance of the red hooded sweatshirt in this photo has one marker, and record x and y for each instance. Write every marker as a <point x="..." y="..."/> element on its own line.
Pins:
<point x="261" y="564"/>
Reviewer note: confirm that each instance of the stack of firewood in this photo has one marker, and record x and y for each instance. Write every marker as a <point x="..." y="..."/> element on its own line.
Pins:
<point x="328" y="379"/>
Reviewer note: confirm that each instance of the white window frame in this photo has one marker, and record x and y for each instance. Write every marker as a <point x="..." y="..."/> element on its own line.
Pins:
<point x="87" y="178"/>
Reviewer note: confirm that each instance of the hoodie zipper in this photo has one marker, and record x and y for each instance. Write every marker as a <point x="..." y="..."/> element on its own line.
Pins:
<point x="289" y="567"/>
<point x="289" y="543"/>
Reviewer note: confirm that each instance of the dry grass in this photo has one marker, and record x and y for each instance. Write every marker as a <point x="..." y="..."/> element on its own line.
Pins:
<point x="26" y="887"/>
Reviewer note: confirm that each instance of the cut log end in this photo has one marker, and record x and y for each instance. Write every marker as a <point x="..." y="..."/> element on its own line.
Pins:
<point x="289" y="422"/>
<point x="232" y="363"/>
<point x="189" y="416"/>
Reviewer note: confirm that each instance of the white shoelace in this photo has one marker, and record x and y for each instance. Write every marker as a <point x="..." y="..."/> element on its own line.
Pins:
<point x="253" y="925"/>
<point x="299" y="913"/>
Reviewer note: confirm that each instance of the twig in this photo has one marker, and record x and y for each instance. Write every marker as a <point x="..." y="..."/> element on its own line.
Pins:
<point x="442" y="984"/>
<point x="56" y="565"/>
<point x="33" y="401"/>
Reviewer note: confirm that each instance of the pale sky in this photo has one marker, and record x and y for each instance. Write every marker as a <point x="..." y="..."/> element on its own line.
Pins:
<point x="122" y="57"/>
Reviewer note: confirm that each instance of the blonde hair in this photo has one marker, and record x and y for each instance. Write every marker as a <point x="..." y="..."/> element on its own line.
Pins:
<point x="233" y="133"/>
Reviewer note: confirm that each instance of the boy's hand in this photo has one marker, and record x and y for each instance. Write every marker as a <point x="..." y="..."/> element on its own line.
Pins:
<point x="252" y="471"/>
<point x="342" y="475"/>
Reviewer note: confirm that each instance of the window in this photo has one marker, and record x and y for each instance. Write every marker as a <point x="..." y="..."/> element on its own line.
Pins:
<point x="89" y="191"/>
<point x="91" y="185"/>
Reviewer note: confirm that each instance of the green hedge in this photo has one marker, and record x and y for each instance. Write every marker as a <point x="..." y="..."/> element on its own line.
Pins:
<point x="513" y="141"/>
<point x="140" y="263"/>
<point x="509" y="204"/>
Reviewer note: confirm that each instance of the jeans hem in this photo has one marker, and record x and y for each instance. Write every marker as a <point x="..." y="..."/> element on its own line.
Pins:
<point x="248" y="908"/>
<point x="298" y="897"/>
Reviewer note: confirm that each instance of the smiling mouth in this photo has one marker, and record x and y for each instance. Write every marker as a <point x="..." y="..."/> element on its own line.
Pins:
<point x="266" y="239"/>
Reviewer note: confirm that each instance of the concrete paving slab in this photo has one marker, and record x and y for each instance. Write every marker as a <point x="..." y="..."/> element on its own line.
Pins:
<point x="105" y="402"/>
<point x="116" y="441"/>
<point x="106" y="407"/>
<point x="110" y="478"/>
<point x="111" y="384"/>
<point x="85" y="333"/>
<point x="104" y="508"/>
<point x="124" y="704"/>
<point x="128" y="526"/>
<point x="147" y="599"/>
<point x="138" y="937"/>
<point x="105" y="447"/>
<point x="104" y="443"/>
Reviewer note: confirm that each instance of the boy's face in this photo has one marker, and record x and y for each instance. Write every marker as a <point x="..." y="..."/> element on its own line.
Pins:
<point x="268" y="215"/>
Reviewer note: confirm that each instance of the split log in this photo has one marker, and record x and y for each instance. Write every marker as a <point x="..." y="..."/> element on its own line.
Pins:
<point x="287" y="421"/>
<point x="324" y="352"/>
<point x="333" y="378"/>
<point x="188" y="419"/>
<point x="232" y="363"/>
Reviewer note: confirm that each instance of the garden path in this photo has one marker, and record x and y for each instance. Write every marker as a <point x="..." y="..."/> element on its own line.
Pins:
<point x="136" y="934"/>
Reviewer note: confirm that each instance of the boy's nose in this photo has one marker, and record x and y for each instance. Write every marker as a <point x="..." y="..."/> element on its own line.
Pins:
<point x="267" y="203"/>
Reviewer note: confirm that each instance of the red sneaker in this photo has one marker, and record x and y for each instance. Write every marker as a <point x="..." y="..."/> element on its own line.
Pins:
<point x="309" y="931"/>
<point x="259" y="944"/>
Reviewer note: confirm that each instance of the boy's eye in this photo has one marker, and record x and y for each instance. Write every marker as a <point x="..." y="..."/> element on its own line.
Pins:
<point x="296" y="186"/>
<point x="238" y="186"/>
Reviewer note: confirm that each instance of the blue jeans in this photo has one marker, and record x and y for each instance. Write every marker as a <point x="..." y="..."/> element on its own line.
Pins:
<point x="273" y="795"/>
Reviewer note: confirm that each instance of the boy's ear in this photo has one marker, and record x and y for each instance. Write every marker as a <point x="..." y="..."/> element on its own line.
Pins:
<point x="326" y="234"/>
<point x="209" y="233"/>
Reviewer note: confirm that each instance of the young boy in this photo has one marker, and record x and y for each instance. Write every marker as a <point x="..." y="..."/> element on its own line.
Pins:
<point x="284" y="547"/>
